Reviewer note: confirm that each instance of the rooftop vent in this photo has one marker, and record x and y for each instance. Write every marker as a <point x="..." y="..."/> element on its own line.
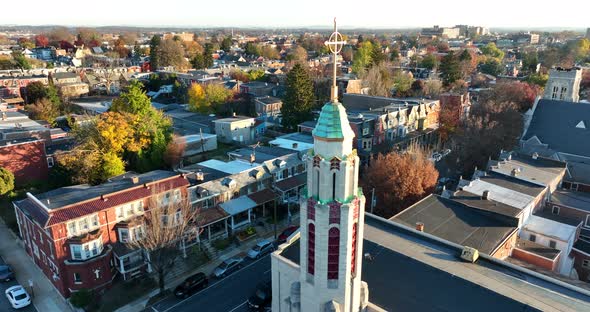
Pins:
<point x="200" y="175"/>
<point x="535" y="155"/>
<point x="134" y="179"/>
<point x="485" y="195"/>
<point x="294" y="145"/>
<point x="420" y="226"/>
<point x="515" y="172"/>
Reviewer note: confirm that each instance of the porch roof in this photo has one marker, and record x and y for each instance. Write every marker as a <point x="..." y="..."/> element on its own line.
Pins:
<point x="292" y="182"/>
<point x="238" y="205"/>
<point x="211" y="215"/>
<point x="264" y="196"/>
<point x="122" y="250"/>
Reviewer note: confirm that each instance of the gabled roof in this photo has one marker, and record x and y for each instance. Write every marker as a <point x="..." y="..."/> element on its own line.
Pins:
<point x="333" y="123"/>
<point x="556" y="123"/>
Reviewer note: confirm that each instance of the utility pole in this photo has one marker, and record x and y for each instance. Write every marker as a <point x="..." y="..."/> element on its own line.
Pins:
<point x="275" y="218"/>
<point x="372" y="199"/>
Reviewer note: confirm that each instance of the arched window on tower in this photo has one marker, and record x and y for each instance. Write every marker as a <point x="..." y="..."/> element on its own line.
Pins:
<point x="353" y="247"/>
<point x="311" y="248"/>
<point x="333" y="253"/>
<point x="334" y="186"/>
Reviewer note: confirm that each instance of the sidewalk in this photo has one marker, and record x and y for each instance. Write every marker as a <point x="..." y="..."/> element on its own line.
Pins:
<point x="46" y="298"/>
<point x="140" y="304"/>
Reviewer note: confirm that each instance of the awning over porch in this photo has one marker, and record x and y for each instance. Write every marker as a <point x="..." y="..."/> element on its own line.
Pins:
<point x="291" y="183"/>
<point x="263" y="197"/>
<point x="238" y="205"/>
<point x="211" y="215"/>
<point x="122" y="250"/>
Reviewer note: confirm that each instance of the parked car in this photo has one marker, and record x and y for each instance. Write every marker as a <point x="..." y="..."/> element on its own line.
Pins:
<point x="6" y="273"/>
<point x="262" y="297"/>
<point x="191" y="285"/>
<point x="227" y="267"/>
<point x="286" y="233"/>
<point x="261" y="249"/>
<point x="18" y="297"/>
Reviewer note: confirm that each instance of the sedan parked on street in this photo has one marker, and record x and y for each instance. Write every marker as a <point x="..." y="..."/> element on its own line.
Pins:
<point x="18" y="297"/>
<point x="286" y="233"/>
<point x="261" y="249"/>
<point x="6" y="273"/>
<point x="227" y="266"/>
<point x="191" y="285"/>
<point x="262" y="298"/>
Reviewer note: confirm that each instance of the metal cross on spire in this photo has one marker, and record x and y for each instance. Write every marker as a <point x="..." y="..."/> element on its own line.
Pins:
<point x="335" y="44"/>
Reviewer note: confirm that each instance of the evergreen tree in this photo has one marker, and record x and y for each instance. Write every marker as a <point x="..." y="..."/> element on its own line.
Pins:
<point x="208" y="55"/>
<point x="154" y="59"/>
<point x="450" y="70"/>
<point x="198" y="61"/>
<point x="299" y="98"/>
<point x="226" y="44"/>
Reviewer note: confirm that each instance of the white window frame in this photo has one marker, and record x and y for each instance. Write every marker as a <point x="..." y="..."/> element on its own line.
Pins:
<point x="77" y="278"/>
<point x="50" y="162"/>
<point x="83" y="225"/>
<point x="122" y="231"/>
<point x="554" y="244"/>
<point x="88" y="250"/>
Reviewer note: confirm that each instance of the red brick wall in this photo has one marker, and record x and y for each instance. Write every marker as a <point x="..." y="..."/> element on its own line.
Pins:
<point x="506" y="249"/>
<point x="583" y="273"/>
<point x="565" y="211"/>
<point x="535" y="259"/>
<point x="27" y="161"/>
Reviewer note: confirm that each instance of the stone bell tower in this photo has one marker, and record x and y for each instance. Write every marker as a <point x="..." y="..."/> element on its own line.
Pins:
<point x="332" y="213"/>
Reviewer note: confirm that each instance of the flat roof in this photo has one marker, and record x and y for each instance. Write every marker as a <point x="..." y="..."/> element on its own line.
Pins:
<point x="231" y="167"/>
<point x="410" y="272"/>
<point x="540" y="170"/>
<point x="458" y="223"/>
<point x="291" y="144"/>
<point x="68" y="195"/>
<point x="537" y="249"/>
<point x="513" y="183"/>
<point x="573" y="199"/>
<point x="476" y="201"/>
<point x="547" y="227"/>
<point x="500" y="193"/>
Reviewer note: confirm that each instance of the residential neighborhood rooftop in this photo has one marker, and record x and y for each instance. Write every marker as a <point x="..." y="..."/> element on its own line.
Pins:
<point x="573" y="199"/>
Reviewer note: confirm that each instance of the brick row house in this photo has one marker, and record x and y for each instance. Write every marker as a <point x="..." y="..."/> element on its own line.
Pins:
<point x="77" y="234"/>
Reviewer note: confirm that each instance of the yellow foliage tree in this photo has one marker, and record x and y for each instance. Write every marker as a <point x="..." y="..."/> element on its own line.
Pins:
<point x="196" y="99"/>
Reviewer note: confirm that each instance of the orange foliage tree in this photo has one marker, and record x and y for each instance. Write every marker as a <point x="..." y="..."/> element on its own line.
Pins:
<point x="399" y="180"/>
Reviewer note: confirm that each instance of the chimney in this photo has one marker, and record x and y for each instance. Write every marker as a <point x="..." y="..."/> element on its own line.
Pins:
<point x="420" y="226"/>
<point x="535" y="155"/>
<point x="234" y="114"/>
<point x="134" y="179"/>
<point x="200" y="175"/>
<point x="485" y="195"/>
<point x="514" y="172"/>
<point x="3" y="115"/>
<point x="294" y="145"/>
<point x="252" y="158"/>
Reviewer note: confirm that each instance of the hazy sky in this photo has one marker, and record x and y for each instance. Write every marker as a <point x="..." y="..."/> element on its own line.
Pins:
<point x="281" y="13"/>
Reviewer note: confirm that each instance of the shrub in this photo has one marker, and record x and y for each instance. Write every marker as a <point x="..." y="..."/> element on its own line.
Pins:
<point x="81" y="298"/>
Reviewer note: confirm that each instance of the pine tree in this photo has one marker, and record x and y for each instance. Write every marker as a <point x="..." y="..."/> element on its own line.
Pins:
<point x="299" y="98"/>
<point x="450" y="70"/>
<point x="154" y="59"/>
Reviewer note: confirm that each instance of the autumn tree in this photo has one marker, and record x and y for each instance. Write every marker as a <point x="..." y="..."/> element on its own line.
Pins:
<point x="538" y="79"/>
<point x="59" y="34"/>
<point x="299" y="98"/>
<point x="467" y="63"/>
<point x="398" y="180"/>
<point x="6" y="181"/>
<point x="43" y="109"/>
<point x="429" y="61"/>
<point x="270" y="53"/>
<point x="379" y="80"/>
<point x="174" y="152"/>
<point x="41" y="41"/>
<point x="206" y="99"/>
<point x="492" y="125"/>
<point x="362" y="57"/>
<point x="166" y="224"/>
<point x="523" y="94"/>
<point x="402" y="83"/>
<point x="492" y="67"/>
<point x="297" y="55"/>
<point x="253" y="49"/>
<point x="171" y="53"/>
<point x="35" y="91"/>
<point x="490" y="49"/>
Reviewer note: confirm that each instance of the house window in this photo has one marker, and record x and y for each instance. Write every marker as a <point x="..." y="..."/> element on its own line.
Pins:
<point x="555" y="210"/>
<point x="119" y="212"/>
<point x="554" y="94"/>
<point x="586" y="263"/>
<point x="77" y="278"/>
<point x="533" y="238"/>
<point x="552" y="244"/>
<point x="176" y="196"/>
<point x="72" y="229"/>
<point x="124" y="235"/>
<point x="563" y="93"/>
<point x="87" y="250"/>
<point x="365" y="130"/>
<point x="50" y="162"/>
<point x="311" y="248"/>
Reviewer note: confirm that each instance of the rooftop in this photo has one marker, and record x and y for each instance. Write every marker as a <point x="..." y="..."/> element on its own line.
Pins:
<point x="550" y="228"/>
<point x="573" y="199"/>
<point x="231" y="167"/>
<point x="476" y="201"/>
<point x="537" y="249"/>
<point x="458" y="223"/>
<point x="538" y="171"/>
<point x="427" y="268"/>
<point x="234" y="119"/>
<point x="499" y="192"/>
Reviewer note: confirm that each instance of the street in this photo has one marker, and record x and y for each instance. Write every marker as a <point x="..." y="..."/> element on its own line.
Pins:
<point x="228" y="294"/>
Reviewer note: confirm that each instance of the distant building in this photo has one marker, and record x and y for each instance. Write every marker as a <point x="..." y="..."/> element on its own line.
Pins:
<point x="440" y="32"/>
<point x="235" y="129"/>
<point x="26" y="159"/>
<point x="268" y="106"/>
<point x="183" y="36"/>
<point x="69" y="84"/>
<point x="563" y="84"/>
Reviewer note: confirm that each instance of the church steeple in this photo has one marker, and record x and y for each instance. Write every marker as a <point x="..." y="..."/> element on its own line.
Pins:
<point x="332" y="213"/>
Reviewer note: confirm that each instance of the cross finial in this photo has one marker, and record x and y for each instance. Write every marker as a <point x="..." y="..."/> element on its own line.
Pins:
<point x="335" y="44"/>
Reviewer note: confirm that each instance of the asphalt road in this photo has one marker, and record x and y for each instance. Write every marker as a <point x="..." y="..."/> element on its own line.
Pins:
<point x="5" y="305"/>
<point x="229" y="294"/>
